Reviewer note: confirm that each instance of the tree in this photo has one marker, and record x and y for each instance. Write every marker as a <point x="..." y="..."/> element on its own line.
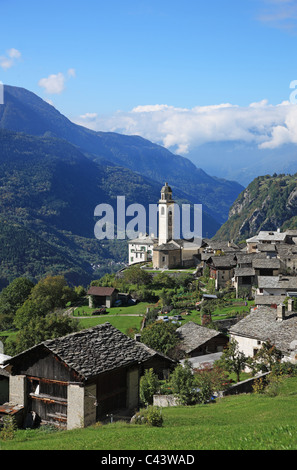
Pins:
<point x="136" y="275"/>
<point x="149" y="385"/>
<point x="160" y="336"/>
<point x="210" y="380"/>
<point x="184" y="384"/>
<point x="164" y="280"/>
<point x="40" y="329"/>
<point x="267" y="357"/>
<point x="12" y="297"/>
<point x="232" y="359"/>
<point x="47" y="295"/>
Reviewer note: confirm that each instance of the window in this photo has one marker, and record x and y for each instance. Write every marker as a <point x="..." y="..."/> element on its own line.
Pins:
<point x="162" y="210"/>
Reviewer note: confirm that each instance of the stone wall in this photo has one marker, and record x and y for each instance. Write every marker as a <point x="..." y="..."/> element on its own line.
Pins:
<point x="165" y="400"/>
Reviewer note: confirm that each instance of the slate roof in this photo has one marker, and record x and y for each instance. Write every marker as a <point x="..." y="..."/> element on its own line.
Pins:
<point x="262" y="325"/>
<point x="224" y="261"/>
<point x="192" y="335"/>
<point x="97" y="350"/>
<point x="170" y="246"/>
<point x="238" y="272"/>
<point x="266" y="263"/>
<point x="268" y="236"/>
<point x="266" y="247"/>
<point x="277" y="282"/>
<point x="269" y="299"/>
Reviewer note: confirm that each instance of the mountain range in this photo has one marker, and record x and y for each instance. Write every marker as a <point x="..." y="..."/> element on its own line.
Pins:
<point x="54" y="173"/>
<point x="242" y="161"/>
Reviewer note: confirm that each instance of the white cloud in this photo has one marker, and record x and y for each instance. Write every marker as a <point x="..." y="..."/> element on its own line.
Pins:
<point x="55" y="84"/>
<point x="8" y="60"/>
<point x="281" y="14"/>
<point x="181" y="130"/>
<point x="71" y="73"/>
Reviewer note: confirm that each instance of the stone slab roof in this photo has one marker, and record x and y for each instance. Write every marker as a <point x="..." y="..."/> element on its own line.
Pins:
<point x="268" y="236"/>
<point x="266" y="263"/>
<point x="244" y="272"/>
<point x="262" y="325"/>
<point x="97" y="350"/>
<point x="277" y="282"/>
<point x="193" y="335"/>
<point x="224" y="261"/>
<point x="269" y="299"/>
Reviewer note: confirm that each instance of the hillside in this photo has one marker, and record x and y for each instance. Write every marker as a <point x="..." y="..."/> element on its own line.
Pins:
<point x="268" y="203"/>
<point x="23" y="111"/>
<point x="239" y="422"/>
<point x="48" y="192"/>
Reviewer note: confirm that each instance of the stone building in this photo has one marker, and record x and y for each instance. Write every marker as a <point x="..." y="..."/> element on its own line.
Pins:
<point x="78" y="379"/>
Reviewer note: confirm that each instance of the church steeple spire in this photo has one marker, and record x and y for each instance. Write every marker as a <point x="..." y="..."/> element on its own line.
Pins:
<point x="166" y="205"/>
<point x="166" y="193"/>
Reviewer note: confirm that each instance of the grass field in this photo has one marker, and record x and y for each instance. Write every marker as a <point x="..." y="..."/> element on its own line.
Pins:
<point x="122" y="323"/>
<point x="242" y="422"/>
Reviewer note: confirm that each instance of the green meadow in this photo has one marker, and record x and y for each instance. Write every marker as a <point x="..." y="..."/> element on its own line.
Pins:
<point x="241" y="422"/>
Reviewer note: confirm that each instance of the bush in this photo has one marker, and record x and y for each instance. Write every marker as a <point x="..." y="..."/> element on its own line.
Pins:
<point x="151" y="416"/>
<point x="184" y="385"/>
<point x="285" y="368"/>
<point x="149" y="385"/>
<point x="8" y="428"/>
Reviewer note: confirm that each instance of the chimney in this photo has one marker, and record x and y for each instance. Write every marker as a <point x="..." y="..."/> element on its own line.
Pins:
<point x="290" y="305"/>
<point x="137" y="337"/>
<point x="280" y="312"/>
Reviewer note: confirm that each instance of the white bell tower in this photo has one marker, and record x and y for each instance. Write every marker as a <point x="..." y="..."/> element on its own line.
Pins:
<point x="166" y="206"/>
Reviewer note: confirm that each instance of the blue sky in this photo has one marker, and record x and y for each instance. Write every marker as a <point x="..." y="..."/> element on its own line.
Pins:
<point x="99" y="61"/>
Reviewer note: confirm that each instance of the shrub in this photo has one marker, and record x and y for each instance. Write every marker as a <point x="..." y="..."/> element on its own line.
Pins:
<point x="151" y="416"/>
<point x="184" y="384"/>
<point x="259" y="385"/>
<point x="8" y="428"/>
<point x="149" y="385"/>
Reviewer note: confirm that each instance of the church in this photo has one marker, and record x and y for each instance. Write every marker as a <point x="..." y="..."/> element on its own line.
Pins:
<point x="165" y="252"/>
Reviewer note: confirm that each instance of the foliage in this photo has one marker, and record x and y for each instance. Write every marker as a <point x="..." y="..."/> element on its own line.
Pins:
<point x="151" y="415"/>
<point x="232" y="359"/>
<point x="238" y="422"/>
<point x="11" y="298"/>
<point x="160" y="336"/>
<point x="149" y="385"/>
<point x="184" y="384"/>
<point x="46" y="296"/>
<point x="267" y="356"/>
<point x="210" y="380"/>
<point x="284" y="368"/>
<point x="271" y="194"/>
<point x="269" y="385"/>
<point x="138" y="276"/>
<point x="163" y="280"/>
<point x="39" y="329"/>
<point x="8" y="428"/>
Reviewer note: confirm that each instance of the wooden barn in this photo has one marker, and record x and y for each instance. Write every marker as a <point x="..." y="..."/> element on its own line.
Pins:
<point x="78" y="379"/>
